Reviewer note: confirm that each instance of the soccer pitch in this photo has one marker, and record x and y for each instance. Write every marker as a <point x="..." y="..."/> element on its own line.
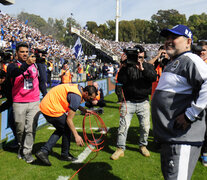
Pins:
<point x="133" y="166"/>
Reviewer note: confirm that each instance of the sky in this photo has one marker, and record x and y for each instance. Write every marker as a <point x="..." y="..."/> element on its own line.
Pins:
<point x="101" y="11"/>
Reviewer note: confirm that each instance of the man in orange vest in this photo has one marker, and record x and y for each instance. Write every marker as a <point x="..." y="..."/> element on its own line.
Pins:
<point x="59" y="107"/>
<point x="65" y="75"/>
<point x="98" y="100"/>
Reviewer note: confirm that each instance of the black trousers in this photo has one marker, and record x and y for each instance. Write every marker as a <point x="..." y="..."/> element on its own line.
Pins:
<point x="63" y="130"/>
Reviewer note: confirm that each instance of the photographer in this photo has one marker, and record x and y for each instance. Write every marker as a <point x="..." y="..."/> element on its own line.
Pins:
<point x="6" y="57"/>
<point x="159" y="62"/>
<point x="137" y="76"/>
<point x="42" y="68"/>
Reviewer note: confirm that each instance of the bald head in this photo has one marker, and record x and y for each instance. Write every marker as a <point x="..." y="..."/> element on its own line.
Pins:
<point x="95" y="84"/>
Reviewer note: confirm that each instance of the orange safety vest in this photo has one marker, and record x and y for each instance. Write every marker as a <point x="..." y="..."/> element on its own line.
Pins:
<point x="55" y="103"/>
<point x="66" y="78"/>
<point x="98" y="97"/>
<point x="154" y="84"/>
<point x="4" y="67"/>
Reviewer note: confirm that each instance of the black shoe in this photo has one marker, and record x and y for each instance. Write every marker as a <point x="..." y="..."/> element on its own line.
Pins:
<point x="43" y="157"/>
<point x="70" y="157"/>
<point x="12" y="145"/>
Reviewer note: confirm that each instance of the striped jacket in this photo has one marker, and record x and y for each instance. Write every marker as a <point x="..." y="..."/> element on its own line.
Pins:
<point x="182" y="88"/>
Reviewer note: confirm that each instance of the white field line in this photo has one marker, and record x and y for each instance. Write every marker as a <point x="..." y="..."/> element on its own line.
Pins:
<point x="86" y="152"/>
<point x="63" y="177"/>
<point x="81" y="157"/>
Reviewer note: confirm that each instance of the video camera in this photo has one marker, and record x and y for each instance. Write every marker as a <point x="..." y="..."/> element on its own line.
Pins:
<point x="132" y="54"/>
<point x="40" y="58"/>
<point x="5" y="56"/>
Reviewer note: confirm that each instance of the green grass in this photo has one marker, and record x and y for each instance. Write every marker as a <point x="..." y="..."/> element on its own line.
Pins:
<point x="131" y="167"/>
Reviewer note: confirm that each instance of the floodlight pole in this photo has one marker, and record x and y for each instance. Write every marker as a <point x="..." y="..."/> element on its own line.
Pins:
<point x="117" y="20"/>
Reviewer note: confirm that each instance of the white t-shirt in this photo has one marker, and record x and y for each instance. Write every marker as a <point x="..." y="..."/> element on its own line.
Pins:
<point x="111" y="71"/>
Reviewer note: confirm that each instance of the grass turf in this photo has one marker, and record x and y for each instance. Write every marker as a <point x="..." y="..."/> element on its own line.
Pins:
<point x="131" y="167"/>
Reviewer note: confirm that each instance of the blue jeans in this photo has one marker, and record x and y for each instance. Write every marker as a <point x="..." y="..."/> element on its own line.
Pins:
<point x="79" y="76"/>
<point x="63" y="130"/>
<point x="142" y="111"/>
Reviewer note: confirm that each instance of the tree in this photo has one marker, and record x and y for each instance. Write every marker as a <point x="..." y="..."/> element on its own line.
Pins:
<point x="197" y="24"/>
<point x="33" y="20"/>
<point x="111" y="29"/>
<point x="59" y="29"/>
<point x="143" y="30"/>
<point x="92" y="27"/>
<point x="127" y="31"/>
<point x="167" y="19"/>
<point x="103" y="31"/>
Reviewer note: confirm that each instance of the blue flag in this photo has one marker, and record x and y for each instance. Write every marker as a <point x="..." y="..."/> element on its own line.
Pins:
<point x="77" y="49"/>
<point x="26" y="21"/>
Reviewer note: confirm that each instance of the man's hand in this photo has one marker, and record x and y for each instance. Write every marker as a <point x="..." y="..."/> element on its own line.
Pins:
<point x="140" y="65"/>
<point x="181" y="123"/>
<point x="79" y="140"/>
<point x="31" y="59"/>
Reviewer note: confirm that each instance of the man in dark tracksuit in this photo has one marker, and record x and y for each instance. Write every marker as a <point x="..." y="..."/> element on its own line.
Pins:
<point x="178" y="106"/>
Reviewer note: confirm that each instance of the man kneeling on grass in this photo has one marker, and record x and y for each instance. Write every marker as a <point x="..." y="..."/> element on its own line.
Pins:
<point x="62" y="99"/>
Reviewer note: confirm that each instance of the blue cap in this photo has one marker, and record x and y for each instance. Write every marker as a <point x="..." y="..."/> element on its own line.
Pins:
<point x="180" y="29"/>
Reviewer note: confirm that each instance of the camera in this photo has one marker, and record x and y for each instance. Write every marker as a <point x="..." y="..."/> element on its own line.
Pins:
<point x="132" y="54"/>
<point x="40" y="58"/>
<point x="5" y="56"/>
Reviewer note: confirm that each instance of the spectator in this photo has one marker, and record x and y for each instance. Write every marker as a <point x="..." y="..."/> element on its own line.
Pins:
<point x="203" y="53"/>
<point x="87" y="73"/>
<point x="65" y="98"/>
<point x="13" y="44"/>
<point x="137" y="82"/>
<point x="25" y="95"/>
<point x="49" y="72"/>
<point x="178" y="104"/>
<point x="110" y="70"/>
<point x="42" y="68"/>
<point x="92" y="71"/>
<point x="79" y="72"/>
<point x="105" y="70"/>
<point x="65" y="74"/>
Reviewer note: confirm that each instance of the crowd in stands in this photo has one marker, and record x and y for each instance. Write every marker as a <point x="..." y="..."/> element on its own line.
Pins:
<point x="117" y="47"/>
<point x="13" y="31"/>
